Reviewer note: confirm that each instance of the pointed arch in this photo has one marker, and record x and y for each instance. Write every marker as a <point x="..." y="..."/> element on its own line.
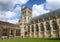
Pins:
<point x="37" y="29"/>
<point x="28" y="28"/>
<point x="32" y="28"/>
<point x="42" y="27"/>
<point x="48" y="26"/>
<point x="54" y="24"/>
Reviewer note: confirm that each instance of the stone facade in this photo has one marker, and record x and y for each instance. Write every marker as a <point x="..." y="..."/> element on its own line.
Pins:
<point x="43" y="26"/>
<point x="8" y="30"/>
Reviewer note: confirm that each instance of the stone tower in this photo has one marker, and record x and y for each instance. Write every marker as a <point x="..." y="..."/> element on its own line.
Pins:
<point x="25" y="18"/>
<point x="26" y="14"/>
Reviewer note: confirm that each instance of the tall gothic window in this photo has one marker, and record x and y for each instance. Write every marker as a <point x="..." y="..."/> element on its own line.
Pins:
<point x="5" y="32"/>
<point x="17" y="32"/>
<point x="28" y="28"/>
<point x="55" y="26"/>
<point x="42" y="27"/>
<point x="11" y="32"/>
<point x="32" y="28"/>
<point x="48" y="26"/>
<point x="37" y="29"/>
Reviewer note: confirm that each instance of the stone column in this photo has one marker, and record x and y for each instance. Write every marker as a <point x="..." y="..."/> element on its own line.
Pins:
<point x="9" y="34"/>
<point x="45" y="35"/>
<point x="34" y="30"/>
<point x="39" y="29"/>
<point x="27" y="31"/>
<point x="22" y="31"/>
<point x="58" y="22"/>
<point x="14" y="33"/>
<point x="30" y="32"/>
<point x="51" y="28"/>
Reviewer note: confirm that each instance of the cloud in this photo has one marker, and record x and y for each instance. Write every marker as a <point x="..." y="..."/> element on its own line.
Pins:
<point x="2" y="17"/>
<point x="9" y="4"/>
<point x="10" y="14"/>
<point x="14" y="21"/>
<point x="49" y="5"/>
<point x="17" y="8"/>
<point x="20" y="1"/>
<point x="38" y="10"/>
<point x="52" y="4"/>
<point x="6" y="5"/>
<point x="10" y="10"/>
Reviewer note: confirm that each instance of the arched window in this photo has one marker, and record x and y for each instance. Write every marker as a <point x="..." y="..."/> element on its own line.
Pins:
<point x="5" y="32"/>
<point x="42" y="27"/>
<point x="28" y="28"/>
<point x="17" y="32"/>
<point x="32" y="28"/>
<point x="48" y="26"/>
<point x="37" y="29"/>
<point x="55" y="26"/>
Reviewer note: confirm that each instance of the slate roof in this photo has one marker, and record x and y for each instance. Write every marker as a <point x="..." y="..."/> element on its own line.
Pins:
<point x="46" y="16"/>
<point x="26" y="7"/>
<point x="7" y="24"/>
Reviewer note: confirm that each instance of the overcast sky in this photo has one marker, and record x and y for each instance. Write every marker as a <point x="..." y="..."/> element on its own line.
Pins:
<point x="10" y="10"/>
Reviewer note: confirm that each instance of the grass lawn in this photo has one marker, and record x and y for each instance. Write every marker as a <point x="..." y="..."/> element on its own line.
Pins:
<point x="29" y="40"/>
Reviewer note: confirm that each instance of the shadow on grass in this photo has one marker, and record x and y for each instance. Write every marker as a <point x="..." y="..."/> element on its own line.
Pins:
<point x="52" y="38"/>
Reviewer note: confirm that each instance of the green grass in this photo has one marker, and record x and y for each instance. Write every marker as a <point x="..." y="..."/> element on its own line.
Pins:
<point x="30" y="40"/>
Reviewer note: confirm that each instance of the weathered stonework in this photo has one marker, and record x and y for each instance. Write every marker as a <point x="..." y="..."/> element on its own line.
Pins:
<point x="44" y="26"/>
<point x="49" y="28"/>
